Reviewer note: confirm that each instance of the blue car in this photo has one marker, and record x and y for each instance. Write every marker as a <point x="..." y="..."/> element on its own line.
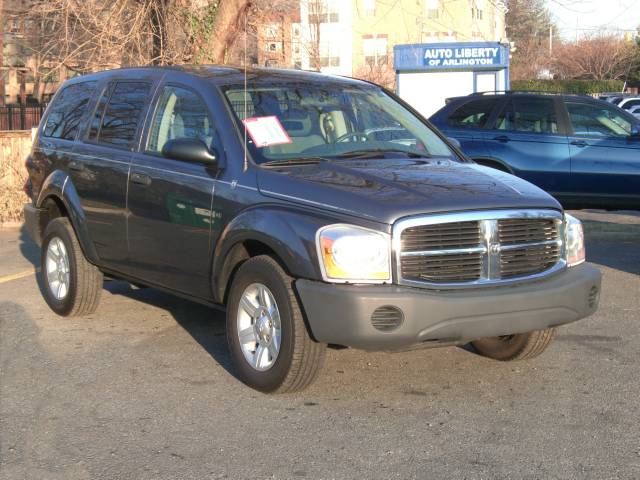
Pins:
<point x="585" y="152"/>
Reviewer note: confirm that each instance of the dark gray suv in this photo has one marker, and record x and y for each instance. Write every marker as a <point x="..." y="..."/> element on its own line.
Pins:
<point x="316" y="210"/>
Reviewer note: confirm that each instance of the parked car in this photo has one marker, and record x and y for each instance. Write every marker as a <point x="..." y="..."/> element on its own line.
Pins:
<point x="585" y="152"/>
<point x="629" y="102"/>
<point x="317" y="210"/>
<point x="635" y="111"/>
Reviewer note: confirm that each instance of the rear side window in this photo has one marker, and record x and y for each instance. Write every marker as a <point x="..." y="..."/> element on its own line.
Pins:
<point x="529" y="115"/>
<point x="67" y="110"/>
<point x="473" y="114"/>
<point x="122" y="115"/>
<point x="599" y="120"/>
<point x="630" y="104"/>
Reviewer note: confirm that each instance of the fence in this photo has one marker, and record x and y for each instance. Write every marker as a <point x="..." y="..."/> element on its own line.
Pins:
<point x="20" y="117"/>
<point x="14" y="148"/>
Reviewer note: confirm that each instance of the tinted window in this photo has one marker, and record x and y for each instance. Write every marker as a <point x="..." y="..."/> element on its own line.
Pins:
<point x="67" y="110"/>
<point x="530" y="115"/>
<point x="96" y="120"/>
<point x="180" y="114"/>
<point x="598" y="120"/>
<point x="122" y="116"/>
<point x="473" y="114"/>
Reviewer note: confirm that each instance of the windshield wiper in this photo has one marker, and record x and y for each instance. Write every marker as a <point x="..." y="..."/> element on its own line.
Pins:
<point x="293" y="161"/>
<point x="379" y="152"/>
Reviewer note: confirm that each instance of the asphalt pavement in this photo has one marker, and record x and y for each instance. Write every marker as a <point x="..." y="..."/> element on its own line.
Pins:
<point x="144" y="389"/>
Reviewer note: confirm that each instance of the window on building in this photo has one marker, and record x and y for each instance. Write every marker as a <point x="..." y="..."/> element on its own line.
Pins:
<point x="529" y="115"/>
<point x="121" y="114"/>
<point x="473" y="114"/>
<point x="68" y="109"/>
<point x="322" y="11"/>
<point x="369" y="7"/>
<point x="433" y="9"/>
<point x="271" y="30"/>
<point x="180" y="114"/>
<point x="329" y="55"/>
<point x="375" y="49"/>
<point x="477" y="9"/>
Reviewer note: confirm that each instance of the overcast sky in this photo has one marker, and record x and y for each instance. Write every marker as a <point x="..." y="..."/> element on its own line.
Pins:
<point x="588" y="15"/>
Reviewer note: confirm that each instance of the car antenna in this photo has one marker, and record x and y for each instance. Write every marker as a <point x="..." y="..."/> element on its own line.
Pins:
<point x="245" y="165"/>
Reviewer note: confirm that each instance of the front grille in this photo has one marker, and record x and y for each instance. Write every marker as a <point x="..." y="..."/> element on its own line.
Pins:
<point x="480" y="248"/>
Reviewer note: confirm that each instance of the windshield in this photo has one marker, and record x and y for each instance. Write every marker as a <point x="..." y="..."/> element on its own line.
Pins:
<point x="307" y="120"/>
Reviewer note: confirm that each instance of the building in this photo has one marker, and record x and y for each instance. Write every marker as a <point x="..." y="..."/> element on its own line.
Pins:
<point x="18" y="83"/>
<point x="355" y="36"/>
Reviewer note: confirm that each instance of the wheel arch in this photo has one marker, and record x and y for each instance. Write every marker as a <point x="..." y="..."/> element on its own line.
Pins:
<point x="58" y="197"/>
<point x="285" y="234"/>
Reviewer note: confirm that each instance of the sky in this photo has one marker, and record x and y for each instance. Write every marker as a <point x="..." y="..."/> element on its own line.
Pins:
<point x="589" y="15"/>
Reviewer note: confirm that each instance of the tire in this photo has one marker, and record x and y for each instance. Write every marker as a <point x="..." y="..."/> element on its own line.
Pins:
<point x="521" y="346"/>
<point x="83" y="280"/>
<point x="298" y="358"/>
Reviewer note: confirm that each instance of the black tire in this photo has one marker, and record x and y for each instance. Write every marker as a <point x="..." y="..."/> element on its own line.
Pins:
<point x="85" y="280"/>
<point x="300" y="358"/>
<point x="521" y="346"/>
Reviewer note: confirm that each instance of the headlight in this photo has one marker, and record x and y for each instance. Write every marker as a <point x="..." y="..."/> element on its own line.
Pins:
<point x="354" y="254"/>
<point x="573" y="240"/>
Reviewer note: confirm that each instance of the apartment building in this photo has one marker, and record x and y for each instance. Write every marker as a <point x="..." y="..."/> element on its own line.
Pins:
<point x="348" y="36"/>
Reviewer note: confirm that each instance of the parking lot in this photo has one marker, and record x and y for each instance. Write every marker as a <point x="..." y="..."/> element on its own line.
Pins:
<point x="143" y="389"/>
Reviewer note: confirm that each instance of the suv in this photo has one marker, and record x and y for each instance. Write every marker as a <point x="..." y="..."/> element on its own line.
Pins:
<point x="584" y="152"/>
<point x="317" y="210"/>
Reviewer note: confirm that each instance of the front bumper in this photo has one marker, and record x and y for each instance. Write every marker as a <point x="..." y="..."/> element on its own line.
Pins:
<point x="341" y="314"/>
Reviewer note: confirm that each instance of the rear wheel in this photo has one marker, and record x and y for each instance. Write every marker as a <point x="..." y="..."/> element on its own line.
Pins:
<point x="268" y="338"/>
<point x="72" y="285"/>
<point x="520" y="346"/>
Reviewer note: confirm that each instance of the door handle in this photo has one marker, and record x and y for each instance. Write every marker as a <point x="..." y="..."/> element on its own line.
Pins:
<point x="140" y="178"/>
<point x="579" y="143"/>
<point x="76" y="166"/>
<point x="502" y="138"/>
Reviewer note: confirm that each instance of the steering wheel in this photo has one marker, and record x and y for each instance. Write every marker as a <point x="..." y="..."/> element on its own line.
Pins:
<point x="357" y="136"/>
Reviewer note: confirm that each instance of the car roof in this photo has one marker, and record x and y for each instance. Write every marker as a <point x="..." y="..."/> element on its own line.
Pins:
<point x="519" y="93"/>
<point x="225" y="75"/>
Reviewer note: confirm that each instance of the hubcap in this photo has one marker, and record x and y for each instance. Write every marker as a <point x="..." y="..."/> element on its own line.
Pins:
<point x="57" y="268"/>
<point x="259" y="330"/>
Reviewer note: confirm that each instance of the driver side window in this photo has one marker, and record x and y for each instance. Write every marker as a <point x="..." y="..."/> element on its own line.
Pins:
<point x="180" y="114"/>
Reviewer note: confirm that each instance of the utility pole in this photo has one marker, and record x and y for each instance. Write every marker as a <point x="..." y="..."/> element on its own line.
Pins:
<point x="550" y="38"/>
<point x="2" y="73"/>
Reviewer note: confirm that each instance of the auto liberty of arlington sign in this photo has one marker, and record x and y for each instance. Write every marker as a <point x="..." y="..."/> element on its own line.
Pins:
<point x="451" y="56"/>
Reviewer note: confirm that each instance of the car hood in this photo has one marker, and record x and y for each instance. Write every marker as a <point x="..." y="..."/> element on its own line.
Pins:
<point x="387" y="189"/>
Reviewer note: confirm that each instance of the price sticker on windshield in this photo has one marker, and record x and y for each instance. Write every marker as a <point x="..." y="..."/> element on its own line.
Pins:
<point x="266" y="131"/>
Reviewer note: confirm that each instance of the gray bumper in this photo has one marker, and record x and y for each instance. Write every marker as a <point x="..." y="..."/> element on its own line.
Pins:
<point x="32" y="222"/>
<point x="341" y="314"/>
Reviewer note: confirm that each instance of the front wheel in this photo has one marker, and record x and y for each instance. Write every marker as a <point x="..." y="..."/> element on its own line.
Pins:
<point x="520" y="346"/>
<point x="267" y="335"/>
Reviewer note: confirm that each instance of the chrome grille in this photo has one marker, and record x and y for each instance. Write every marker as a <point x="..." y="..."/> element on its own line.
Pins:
<point x="478" y="247"/>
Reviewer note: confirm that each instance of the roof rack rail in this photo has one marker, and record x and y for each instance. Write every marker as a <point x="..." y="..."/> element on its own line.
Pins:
<point x="540" y="92"/>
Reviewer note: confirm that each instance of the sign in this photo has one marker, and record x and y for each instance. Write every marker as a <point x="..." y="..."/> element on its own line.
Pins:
<point x="266" y="131"/>
<point x="451" y="56"/>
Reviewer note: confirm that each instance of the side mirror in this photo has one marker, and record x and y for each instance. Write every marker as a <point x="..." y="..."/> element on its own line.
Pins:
<point x="455" y="142"/>
<point x="189" y="150"/>
<point x="635" y="132"/>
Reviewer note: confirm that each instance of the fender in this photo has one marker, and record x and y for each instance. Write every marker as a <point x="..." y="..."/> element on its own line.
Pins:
<point x="289" y="232"/>
<point x="60" y="186"/>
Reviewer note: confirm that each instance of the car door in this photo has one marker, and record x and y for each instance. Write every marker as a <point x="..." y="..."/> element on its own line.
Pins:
<point x="100" y="165"/>
<point x="466" y="122"/>
<point x="605" y="160"/>
<point x="170" y="201"/>
<point x="528" y="136"/>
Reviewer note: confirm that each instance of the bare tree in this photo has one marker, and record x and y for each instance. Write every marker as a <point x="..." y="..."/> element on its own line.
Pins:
<point x="599" y="57"/>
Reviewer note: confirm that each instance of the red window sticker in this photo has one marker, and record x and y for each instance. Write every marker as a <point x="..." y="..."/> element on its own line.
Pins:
<point x="266" y="131"/>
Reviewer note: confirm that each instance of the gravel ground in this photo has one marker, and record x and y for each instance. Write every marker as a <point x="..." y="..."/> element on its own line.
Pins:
<point x="144" y="389"/>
